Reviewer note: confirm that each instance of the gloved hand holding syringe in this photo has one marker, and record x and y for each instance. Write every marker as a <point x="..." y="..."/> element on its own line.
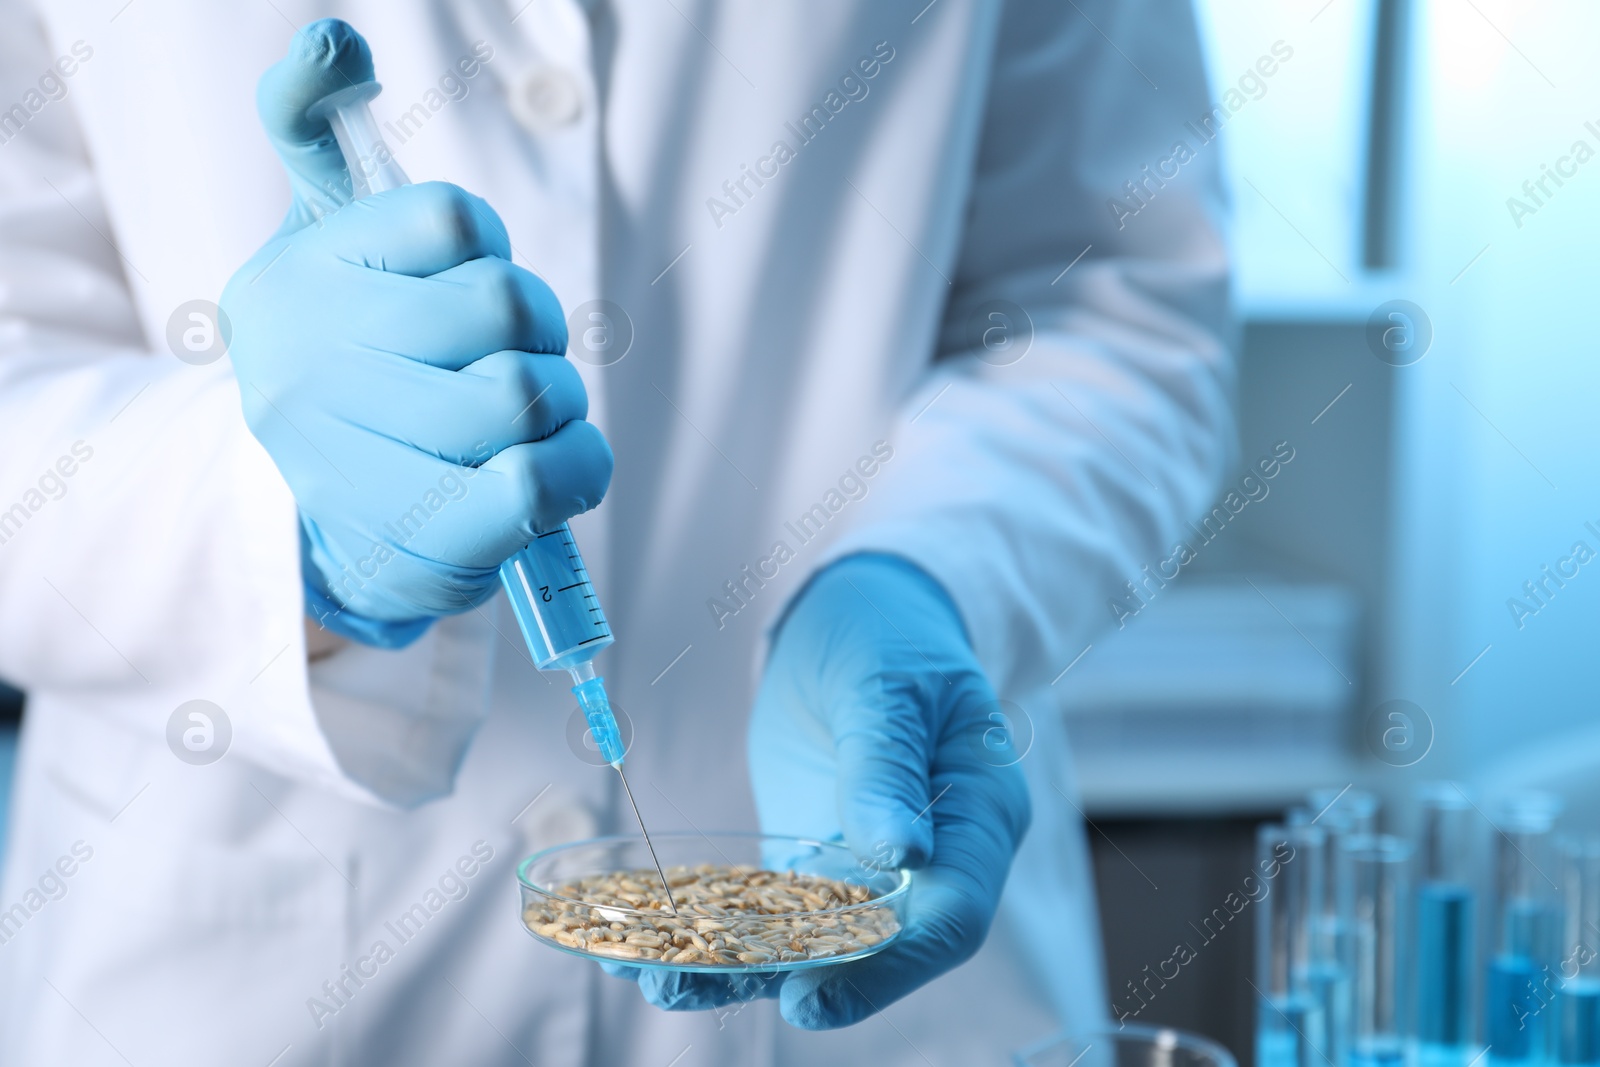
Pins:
<point x="546" y="582"/>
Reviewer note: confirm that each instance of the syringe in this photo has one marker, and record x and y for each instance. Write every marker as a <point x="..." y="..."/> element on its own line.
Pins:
<point x="547" y="583"/>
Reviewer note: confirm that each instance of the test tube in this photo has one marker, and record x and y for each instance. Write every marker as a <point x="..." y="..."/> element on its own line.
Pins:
<point x="1351" y="810"/>
<point x="1374" y="887"/>
<point x="1343" y="812"/>
<point x="1444" y="924"/>
<point x="1327" y="982"/>
<point x="1577" y="1019"/>
<point x="1524" y="930"/>
<point x="1290" y="1028"/>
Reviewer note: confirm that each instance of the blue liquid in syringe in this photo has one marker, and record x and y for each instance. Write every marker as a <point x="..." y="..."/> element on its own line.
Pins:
<point x="554" y="602"/>
<point x="563" y="625"/>
<point x="1444" y="953"/>
<point x="1578" y="1021"/>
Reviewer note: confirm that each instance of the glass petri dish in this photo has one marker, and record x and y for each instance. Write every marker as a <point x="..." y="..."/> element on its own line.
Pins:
<point x="1135" y="1045"/>
<point x="555" y="912"/>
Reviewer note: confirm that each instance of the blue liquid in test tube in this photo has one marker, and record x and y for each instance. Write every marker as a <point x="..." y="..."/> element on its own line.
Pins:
<point x="1328" y="985"/>
<point x="1578" y="1019"/>
<point x="1341" y="814"/>
<point x="1445" y="916"/>
<point x="1511" y="1008"/>
<point x="1444" y="956"/>
<point x="1577" y="1001"/>
<point x="1389" y="1054"/>
<point x="1290" y="1026"/>
<point x="1523" y="971"/>
<point x="1283" y="1031"/>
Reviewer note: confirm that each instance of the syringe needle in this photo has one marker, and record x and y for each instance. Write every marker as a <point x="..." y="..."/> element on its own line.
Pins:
<point x="632" y="803"/>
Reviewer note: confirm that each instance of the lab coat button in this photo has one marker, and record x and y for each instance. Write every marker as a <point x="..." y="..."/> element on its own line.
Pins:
<point x="546" y="98"/>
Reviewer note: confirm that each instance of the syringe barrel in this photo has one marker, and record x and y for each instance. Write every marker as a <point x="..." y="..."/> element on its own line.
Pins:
<point x="554" y="603"/>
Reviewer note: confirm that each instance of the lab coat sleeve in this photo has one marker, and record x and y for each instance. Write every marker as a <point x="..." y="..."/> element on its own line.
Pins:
<point x="1034" y="491"/>
<point x="148" y="546"/>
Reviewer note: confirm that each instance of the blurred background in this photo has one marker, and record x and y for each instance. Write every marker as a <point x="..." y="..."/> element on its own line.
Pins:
<point x="1374" y="165"/>
<point x="1442" y="456"/>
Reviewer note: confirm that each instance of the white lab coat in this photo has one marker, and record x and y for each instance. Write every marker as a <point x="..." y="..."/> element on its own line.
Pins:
<point x="778" y="336"/>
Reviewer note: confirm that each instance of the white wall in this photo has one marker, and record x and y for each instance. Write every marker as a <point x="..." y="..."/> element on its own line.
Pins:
<point x="1501" y="421"/>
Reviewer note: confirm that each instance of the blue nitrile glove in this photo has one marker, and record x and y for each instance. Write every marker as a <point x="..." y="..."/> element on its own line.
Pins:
<point x="872" y="721"/>
<point x="406" y="378"/>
